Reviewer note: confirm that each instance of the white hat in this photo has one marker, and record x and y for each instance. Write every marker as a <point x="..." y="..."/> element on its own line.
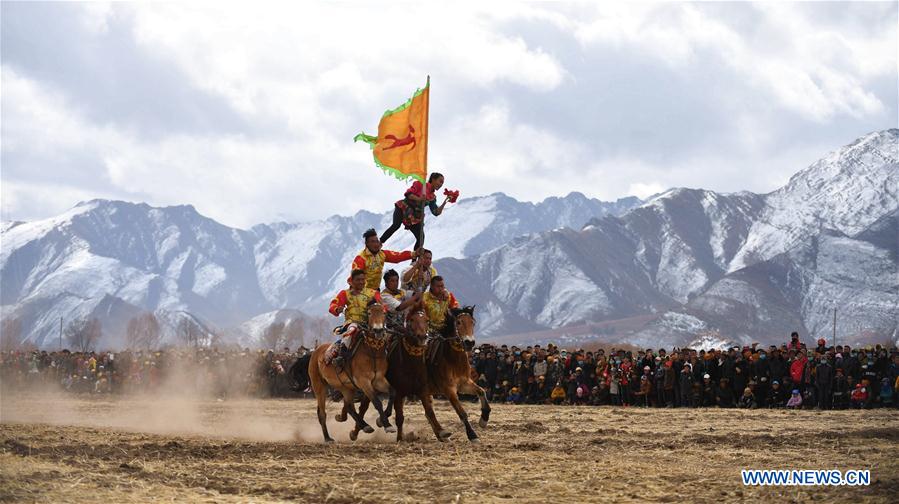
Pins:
<point x="706" y="376"/>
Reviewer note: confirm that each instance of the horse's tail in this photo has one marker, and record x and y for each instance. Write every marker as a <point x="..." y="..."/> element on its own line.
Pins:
<point x="299" y="371"/>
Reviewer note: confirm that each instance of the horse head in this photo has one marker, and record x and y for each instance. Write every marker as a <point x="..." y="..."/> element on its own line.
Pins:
<point x="463" y="319"/>
<point x="377" y="317"/>
<point x="417" y="323"/>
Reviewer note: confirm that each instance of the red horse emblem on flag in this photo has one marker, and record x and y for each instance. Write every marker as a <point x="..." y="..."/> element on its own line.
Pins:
<point x="399" y="142"/>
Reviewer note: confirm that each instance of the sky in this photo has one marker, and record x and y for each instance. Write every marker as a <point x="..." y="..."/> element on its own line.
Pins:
<point x="248" y="113"/>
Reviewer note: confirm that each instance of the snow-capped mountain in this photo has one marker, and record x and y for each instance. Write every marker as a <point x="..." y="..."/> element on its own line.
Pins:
<point x="753" y="267"/>
<point x="112" y="259"/>
<point x="687" y="265"/>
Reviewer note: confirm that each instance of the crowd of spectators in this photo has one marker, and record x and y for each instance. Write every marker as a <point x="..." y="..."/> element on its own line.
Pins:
<point x="789" y="376"/>
<point x="203" y="371"/>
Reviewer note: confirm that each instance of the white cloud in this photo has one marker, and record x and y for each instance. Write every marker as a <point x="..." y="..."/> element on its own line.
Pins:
<point x="487" y="152"/>
<point x="799" y="75"/>
<point x="305" y="80"/>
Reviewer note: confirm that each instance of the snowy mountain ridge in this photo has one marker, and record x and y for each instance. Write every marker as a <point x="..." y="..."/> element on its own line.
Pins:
<point x="113" y="259"/>
<point x="692" y="262"/>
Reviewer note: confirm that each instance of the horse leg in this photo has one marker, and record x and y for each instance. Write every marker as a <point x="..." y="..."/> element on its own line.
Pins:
<point x="321" y="396"/>
<point x="398" y="404"/>
<point x="351" y="409"/>
<point x="341" y="417"/>
<point x="470" y="387"/>
<point x="428" y="405"/>
<point x="453" y="397"/>
<point x="363" y="407"/>
<point x="389" y="408"/>
<point x="372" y="394"/>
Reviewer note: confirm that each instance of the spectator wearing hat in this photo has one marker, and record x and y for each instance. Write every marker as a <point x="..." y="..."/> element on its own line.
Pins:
<point x="859" y="397"/>
<point x="795" y="401"/>
<point x="776" y="397"/>
<point x="645" y="391"/>
<point x="514" y="396"/>
<point x="709" y="398"/>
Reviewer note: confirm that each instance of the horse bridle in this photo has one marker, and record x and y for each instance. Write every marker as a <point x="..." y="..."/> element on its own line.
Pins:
<point x="455" y="341"/>
<point x="416" y="350"/>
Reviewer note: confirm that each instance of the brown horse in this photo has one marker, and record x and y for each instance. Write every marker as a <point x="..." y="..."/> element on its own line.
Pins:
<point x="449" y="370"/>
<point x="364" y="371"/>
<point x="408" y="375"/>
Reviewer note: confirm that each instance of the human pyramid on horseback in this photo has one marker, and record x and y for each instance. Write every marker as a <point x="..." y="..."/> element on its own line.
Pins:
<point x="411" y="337"/>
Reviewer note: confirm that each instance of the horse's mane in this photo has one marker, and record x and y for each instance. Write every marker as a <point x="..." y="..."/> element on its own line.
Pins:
<point x="455" y="312"/>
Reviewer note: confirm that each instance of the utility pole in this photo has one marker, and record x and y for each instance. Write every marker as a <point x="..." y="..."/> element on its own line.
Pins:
<point x="834" y="326"/>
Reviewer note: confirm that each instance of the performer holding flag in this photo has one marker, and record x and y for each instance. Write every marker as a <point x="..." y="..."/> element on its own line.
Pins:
<point x="401" y="149"/>
<point x="409" y="211"/>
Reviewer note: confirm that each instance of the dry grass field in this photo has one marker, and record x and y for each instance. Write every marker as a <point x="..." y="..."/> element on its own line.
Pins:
<point x="65" y="449"/>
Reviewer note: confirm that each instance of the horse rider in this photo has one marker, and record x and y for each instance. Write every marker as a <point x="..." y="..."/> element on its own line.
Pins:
<point x="417" y="277"/>
<point x="397" y="301"/>
<point x="353" y="303"/>
<point x="437" y="302"/>
<point x="372" y="258"/>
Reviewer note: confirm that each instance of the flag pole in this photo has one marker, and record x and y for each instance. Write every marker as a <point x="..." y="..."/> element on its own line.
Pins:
<point x="421" y="230"/>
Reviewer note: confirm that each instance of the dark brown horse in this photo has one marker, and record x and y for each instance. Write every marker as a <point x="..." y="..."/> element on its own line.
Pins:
<point x="449" y="371"/>
<point x="364" y="371"/>
<point x="408" y="375"/>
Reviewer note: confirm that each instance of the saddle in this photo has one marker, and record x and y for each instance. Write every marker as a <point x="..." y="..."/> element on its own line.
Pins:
<point x="356" y="338"/>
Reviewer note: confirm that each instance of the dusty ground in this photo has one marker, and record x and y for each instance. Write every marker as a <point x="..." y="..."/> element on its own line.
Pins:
<point x="61" y="449"/>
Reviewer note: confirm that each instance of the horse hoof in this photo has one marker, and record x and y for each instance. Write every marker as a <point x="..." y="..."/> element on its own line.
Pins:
<point x="475" y="440"/>
<point x="444" y="435"/>
<point x="340" y="417"/>
<point x="378" y="422"/>
<point x="390" y="429"/>
<point x="482" y="423"/>
<point x="328" y="440"/>
<point x="353" y="435"/>
<point x="368" y="429"/>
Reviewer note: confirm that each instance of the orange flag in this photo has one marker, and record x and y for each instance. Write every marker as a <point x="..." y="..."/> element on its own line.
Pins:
<point x="401" y="147"/>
